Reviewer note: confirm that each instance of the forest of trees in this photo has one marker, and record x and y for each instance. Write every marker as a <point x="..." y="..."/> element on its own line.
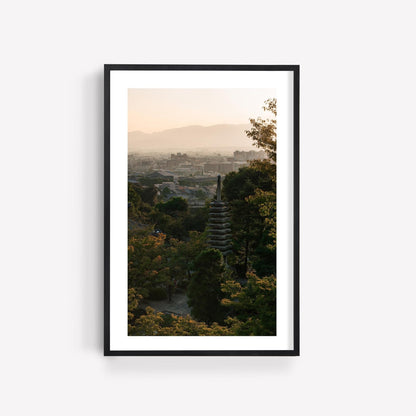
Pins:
<point x="168" y="252"/>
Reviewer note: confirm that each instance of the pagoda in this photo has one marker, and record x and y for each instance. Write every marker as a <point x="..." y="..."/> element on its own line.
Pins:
<point x="219" y="236"/>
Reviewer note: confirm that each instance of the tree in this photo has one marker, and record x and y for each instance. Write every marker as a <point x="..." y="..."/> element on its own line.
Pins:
<point x="174" y="207"/>
<point x="197" y="219"/>
<point x="170" y="217"/>
<point x="133" y="305"/>
<point x="148" y="266"/>
<point x="263" y="131"/>
<point x="246" y="222"/>
<point x="183" y="253"/>
<point x="253" y="306"/>
<point x="176" y="220"/>
<point x="204" y="290"/>
<point x="159" y="324"/>
<point x="149" y="195"/>
<point x="138" y="203"/>
<point x="134" y="201"/>
<point x="251" y="192"/>
<point x="264" y="252"/>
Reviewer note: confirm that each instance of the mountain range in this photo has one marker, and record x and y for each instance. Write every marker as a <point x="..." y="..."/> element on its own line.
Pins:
<point x="219" y="136"/>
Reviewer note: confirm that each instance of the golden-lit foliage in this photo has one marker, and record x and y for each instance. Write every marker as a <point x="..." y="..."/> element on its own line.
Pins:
<point x="263" y="131"/>
<point x="156" y="323"/>
<point x="147" y="267"/>
<point x="266" y="203"/>
<point x="253" y="306"/>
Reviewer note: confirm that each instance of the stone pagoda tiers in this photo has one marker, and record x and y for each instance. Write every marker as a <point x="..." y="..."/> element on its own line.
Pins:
<point x="219" y="226"/>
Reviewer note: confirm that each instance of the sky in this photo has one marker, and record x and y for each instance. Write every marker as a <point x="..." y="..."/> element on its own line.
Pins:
<point x="153" y="110"/>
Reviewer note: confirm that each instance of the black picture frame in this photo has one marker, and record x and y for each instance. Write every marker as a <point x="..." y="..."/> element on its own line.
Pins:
<point x="108" y="68"/>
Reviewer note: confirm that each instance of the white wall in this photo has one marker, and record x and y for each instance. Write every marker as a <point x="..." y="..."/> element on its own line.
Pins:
<point x="358" y="206"/>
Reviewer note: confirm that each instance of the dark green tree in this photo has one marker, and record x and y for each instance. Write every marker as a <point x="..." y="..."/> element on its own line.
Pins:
<point x="149" y="195"/>
<point x="248" y="226"/>
<point x="170" y="216"/>
<point x="174" y="207"/>
<point x="176" y="220"/>
<point x="204" y="290"/>
<point x="197" y="219"/>
<point x="138" y="203"/>
<point x="182" y="254"/>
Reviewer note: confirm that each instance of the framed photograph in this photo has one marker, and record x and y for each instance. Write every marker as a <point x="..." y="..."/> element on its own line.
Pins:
<point x="201" y="172"/>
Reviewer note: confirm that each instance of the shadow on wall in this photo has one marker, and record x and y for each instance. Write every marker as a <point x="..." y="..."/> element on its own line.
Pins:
<point x="91" y="165"/>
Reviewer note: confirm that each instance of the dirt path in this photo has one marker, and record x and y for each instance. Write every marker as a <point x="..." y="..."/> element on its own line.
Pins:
<point x="178" y="305"/>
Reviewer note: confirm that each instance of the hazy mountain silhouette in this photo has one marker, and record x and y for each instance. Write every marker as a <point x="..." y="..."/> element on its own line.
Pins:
<point x="219" y="136"/>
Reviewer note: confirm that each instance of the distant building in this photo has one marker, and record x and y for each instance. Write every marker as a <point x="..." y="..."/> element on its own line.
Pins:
<point x="170" y="185"/>
<point x="221" y="167"/>
<point x="197" y="180"/>
<point x="180" y="157"/>
<point x="176" y="160"/>
<point x="242" y="156"/>
<point x="166" y="176"/>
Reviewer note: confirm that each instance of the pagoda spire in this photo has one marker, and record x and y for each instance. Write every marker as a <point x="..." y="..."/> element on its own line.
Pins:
<point x="219" y="226"/>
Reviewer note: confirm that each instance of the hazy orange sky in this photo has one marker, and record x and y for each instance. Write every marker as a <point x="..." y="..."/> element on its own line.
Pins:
<point x="151" y="110"/>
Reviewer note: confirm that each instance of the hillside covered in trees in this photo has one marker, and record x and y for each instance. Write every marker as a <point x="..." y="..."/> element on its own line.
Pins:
<point x="168" y="253"/>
